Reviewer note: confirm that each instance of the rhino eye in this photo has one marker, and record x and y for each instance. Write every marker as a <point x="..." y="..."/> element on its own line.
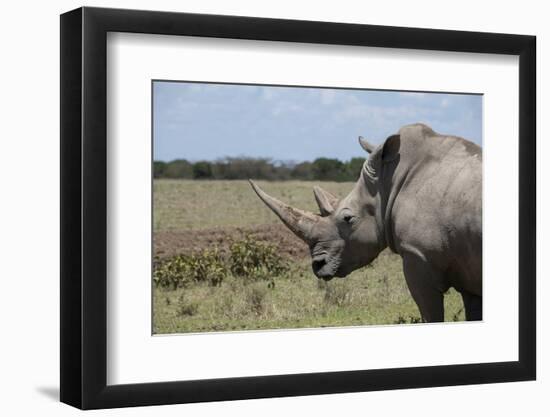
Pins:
<point x="348" y="218"/>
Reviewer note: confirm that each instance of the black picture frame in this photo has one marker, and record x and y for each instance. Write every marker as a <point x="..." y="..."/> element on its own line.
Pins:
<point x="84" y="207"/>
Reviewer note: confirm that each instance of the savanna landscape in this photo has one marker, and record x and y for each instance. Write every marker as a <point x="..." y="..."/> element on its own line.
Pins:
<point x="224" y="262"/>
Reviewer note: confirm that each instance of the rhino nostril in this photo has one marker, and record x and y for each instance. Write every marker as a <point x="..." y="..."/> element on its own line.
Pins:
<point x="318" y="263"/>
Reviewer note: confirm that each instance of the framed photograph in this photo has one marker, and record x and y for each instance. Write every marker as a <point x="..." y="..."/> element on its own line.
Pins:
<point x="258" y="208"/>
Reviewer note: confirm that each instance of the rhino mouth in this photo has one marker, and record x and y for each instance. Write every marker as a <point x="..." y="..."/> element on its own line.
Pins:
<point x="324" y="268"/>
<point x="327" y="270"/>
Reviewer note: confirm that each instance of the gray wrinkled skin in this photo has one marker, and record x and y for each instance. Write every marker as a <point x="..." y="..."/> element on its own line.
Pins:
<point x="420" y="194"/>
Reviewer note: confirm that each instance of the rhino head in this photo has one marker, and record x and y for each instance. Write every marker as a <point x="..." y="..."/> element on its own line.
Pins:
<point x="348" y="233"/>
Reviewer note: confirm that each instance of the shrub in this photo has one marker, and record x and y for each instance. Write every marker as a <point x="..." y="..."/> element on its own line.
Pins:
<point x="256" y="260"/>
<point x="181" y="270"/>
<point x="171" y="273"/>
<point x="207" y="266"/>
<point x="248" y="259"/>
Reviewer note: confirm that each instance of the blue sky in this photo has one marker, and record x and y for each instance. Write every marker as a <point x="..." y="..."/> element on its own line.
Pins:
<point x="199" y="121"/>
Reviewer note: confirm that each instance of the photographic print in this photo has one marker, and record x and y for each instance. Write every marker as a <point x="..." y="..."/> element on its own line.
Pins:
<point x="284" y="207"/>
<point x="307" y="197"/>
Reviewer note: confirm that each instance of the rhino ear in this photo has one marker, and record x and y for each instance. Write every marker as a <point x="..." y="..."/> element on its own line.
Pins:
<point x="325" y="200"/>
<point x="390" y="150"/>
<point x="385" y="153"/>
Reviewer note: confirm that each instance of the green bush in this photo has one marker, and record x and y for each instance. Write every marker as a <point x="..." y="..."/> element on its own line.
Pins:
<point x="171" y="273"/>
<point x="247" y="258"/>
<point x="255" y="260"/>
<point x="181" y="270"/>
<point x="207" y="266"/>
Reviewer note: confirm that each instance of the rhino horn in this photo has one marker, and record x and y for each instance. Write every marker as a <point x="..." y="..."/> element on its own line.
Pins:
<point x="298" y="221"/>
<point x="325" y="200"/>
<point x="366" y="145"/>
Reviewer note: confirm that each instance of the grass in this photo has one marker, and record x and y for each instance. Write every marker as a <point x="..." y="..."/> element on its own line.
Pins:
<point x="194" y="205"/>
<point x="294" y="298"/>
<point x="373" y="295"/>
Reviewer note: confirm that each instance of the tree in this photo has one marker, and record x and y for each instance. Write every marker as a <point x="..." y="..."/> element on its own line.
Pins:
<point x="202" y="170"/>
<point x="159" y="168"/>
<point x="241" y="168"/>
<point x="179" y="168"/>
<point x="327" y="169"/>
<point x="302" y="171"/>
<point x="354" y="167"/>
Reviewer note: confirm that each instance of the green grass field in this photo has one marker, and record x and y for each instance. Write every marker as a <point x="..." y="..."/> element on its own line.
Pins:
<point x="375" y="295"/>
<point x="192" y="205"/>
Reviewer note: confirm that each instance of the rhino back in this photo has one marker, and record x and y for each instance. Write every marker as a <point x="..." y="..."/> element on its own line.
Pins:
<point x="438" y="209"/>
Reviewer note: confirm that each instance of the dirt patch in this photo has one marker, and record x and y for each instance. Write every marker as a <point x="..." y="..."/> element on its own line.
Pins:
<point x="185" y="242"/>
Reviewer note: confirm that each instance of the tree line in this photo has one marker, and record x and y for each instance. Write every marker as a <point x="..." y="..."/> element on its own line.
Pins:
<point x="321" y="169"/>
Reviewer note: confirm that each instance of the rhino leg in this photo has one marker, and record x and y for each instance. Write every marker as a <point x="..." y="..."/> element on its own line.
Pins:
<point x="421" y="280"/>
<point x="472" y="306"/>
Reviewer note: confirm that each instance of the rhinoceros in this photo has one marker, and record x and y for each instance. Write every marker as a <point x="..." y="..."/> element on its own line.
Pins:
<point x="420" y="194"/>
